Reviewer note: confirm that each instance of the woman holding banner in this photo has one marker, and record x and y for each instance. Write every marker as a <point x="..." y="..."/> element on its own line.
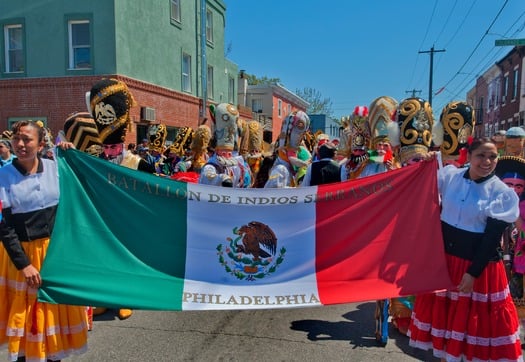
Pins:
<point x="477" y="321"/>
<point x="29" y="194"/>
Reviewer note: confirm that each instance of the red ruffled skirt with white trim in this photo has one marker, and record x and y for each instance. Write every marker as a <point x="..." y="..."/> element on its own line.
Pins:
<point x="478" y="326"/>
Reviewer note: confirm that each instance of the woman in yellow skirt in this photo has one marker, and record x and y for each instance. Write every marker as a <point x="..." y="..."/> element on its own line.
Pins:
<point x="29" y="193"/>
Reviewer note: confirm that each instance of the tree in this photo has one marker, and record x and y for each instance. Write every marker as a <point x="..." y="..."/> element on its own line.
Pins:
<point x="318" y="104"/>
<point x="253" y="80"/>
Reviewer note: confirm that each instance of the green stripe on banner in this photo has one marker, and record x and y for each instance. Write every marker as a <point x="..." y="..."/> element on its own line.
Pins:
<point x="109" y="246"/>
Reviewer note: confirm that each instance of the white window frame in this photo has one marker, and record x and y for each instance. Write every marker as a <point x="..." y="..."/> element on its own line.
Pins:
<point x="257" y="105"/>
<point x="505" y="89"/>
<point x="72" y="48"/>
<point x="9" y="67"/>
<point x="231" y="90"/>
<point x="279" y="107"/>
<point x="515" y="85"/>
<point x="175" y="13"/>
<point x="186" y="72"/>
<point x="209" y="26"/>
<point x="209" y="81"/>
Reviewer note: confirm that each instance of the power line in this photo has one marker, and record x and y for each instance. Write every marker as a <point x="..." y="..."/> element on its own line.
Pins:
<point x="488" y="59"/>
<point x="479" y="43"/>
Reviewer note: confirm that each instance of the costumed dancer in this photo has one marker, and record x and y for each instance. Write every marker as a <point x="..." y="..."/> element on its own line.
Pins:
<point x="251" y="146"/>
<point x="415" y="121"/>
<point x="49" y="145"/>
<point x="110" y="102"/>
<point x="6" y="152"/>
<point x="499" y="140"/>
<point x="193" y="145"/>
<point x="511" y="170"/>
<point x="157" y="134"/>
<point x="453" y="131"/>
<point x="325" y="169"/>
<point x="476" y="320"/>
<point x="178" y="152"/>
<point x="382" y="128"/>
<point x="225" y="167"/>
<point x="514" y="142"/>
<point x="199" y="148"/>
<point x="357" y="137"/>
<point x="292" y="157"/>
<point x="29" y="195"/>
<point x="81" y="130"/>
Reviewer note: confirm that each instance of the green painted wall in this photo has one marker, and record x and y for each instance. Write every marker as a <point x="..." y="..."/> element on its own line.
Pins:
<point x="132" y="38"/>
<point x="45" y="34"/>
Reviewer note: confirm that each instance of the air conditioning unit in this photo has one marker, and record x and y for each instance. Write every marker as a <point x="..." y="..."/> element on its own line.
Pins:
<point x="147" y="114"/>
<point x="503" y="99"/>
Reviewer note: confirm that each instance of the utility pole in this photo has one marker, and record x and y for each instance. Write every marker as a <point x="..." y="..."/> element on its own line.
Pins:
<point x="431" y="51"/>
<point x="414" y="91"/>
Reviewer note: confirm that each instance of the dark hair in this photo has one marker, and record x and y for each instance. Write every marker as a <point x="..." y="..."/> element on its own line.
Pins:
<point x="27" y="122"/>
<point x="327" y="151"/>
<point x="131" y="146"/>
<point x="478" y="142"/>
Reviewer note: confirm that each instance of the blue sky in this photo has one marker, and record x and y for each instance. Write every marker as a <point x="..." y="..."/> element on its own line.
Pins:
<point x="354" y="51"/>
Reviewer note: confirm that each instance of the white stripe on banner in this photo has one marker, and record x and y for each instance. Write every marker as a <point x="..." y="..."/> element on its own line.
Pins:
<point x="225" y="252"/>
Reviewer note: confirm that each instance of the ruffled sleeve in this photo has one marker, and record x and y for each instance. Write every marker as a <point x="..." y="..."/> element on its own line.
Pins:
<point x="502" y="210"/>
<point x="505" y="206"/>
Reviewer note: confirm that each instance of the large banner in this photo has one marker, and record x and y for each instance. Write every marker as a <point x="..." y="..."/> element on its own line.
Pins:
<point x="124" y="238"/>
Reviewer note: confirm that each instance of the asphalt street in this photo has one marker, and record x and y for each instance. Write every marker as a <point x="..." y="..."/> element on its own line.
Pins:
<point x="334" y="333"/>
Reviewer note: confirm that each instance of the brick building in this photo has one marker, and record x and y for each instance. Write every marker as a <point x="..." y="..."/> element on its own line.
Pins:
<point x="52" y="53"/>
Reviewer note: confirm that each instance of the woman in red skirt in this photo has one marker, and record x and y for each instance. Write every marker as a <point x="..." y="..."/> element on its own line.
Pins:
<point x="477" y="321"/>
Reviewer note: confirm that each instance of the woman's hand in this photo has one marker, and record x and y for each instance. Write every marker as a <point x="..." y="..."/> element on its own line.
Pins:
<point x="467" y="283"/>
<point x="32" y="276"/>
<point x="429" y="156"/>
<point x="65" y="145"/>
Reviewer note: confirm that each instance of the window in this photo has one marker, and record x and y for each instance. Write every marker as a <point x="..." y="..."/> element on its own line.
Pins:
<point x="175" y="10"/>
<point x="209" y="80"/>
<point x="79" y="44"/>
<point x="231" y="90"/>
<point x="515" y="85"/>
<point x="209" y="26"/>
<point x="14" y="48"/>
<point x="279" y="107"/>
<point x="186" y="73"/>
<point x="505" y="89"/>
<point x="257" y="105"/>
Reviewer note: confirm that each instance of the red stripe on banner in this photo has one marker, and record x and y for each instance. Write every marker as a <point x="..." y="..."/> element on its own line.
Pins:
<point x="380" y="236"/>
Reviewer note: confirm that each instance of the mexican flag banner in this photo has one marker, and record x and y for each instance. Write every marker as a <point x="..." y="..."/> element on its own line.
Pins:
<point x="124" y="238"/>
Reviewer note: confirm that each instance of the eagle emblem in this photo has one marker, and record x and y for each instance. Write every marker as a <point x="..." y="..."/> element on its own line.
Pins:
<point x="256" y="239"/>
<point x="251" y="253"/>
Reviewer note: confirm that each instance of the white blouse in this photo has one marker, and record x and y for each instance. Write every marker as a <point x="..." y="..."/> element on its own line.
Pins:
<point x="466" y="204"/>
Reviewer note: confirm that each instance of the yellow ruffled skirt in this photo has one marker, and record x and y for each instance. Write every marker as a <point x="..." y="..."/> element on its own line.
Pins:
<point x="38" y="331"/>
